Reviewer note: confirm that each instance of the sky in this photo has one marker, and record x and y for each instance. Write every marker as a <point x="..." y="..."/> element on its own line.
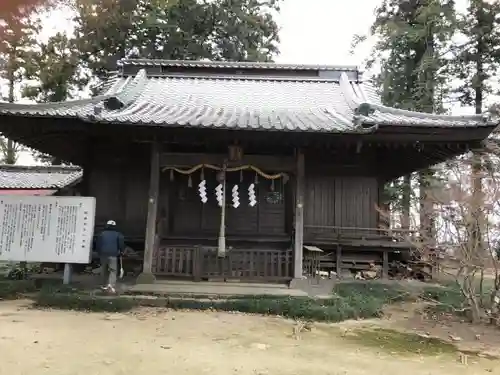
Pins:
<point x="321" y="31"/>
<point x="312" y="32"/>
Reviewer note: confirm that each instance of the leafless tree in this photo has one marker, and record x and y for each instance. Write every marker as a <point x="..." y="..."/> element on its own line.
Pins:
<point x="455" y="249"/>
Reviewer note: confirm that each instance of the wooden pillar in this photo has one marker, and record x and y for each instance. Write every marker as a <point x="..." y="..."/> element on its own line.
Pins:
<point x="338" y="262"/>
<point x="385" y="265"/>
<point x="147" y="277"/>
<point x="299" y="216"/>
<point x="85" y="186"/>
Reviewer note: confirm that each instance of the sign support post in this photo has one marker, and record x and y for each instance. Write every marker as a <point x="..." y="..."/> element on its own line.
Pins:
<point x="68" y="272"/>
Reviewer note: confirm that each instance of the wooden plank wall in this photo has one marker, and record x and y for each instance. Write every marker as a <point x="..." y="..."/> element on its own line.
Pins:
<point x="121" y="194"/>
<point x="188" y="216"/>
<point x="339" y="201"/>
<point x="333" y="197"/>
<point x="118" y="177"/>
<point x="136" y="187"/>
<point x="105" y="186"/>
<point x="330" y="200"/>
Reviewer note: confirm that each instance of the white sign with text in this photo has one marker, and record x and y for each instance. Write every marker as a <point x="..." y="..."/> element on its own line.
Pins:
<point x="46" y="229"/>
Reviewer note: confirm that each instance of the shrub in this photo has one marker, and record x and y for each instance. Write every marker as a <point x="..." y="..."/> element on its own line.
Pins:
<point x="12" y="289"/>
<point x="18" y="271"/>
<point x="349" y="301"/>
<point x="383" y="292"/>
<point x="447" y="300"/>
<point x="83" y="302"/>
<point x="354" y="300"/>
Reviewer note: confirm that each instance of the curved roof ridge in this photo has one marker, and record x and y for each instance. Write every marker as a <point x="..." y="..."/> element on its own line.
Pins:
<point x="369" y="92"/>
<point x="424" y="115"/>
<point x="124" y="94"/>
<point x="111" y="88"/>
<point x="124" y="91"/>
<point x="6" y="106"/>
<point x="349" y="94"/>
<point x="243" y="77"/>
<point x="235" y="64"/>
<point x="362" y="100"/>
<point x="355" y="105"/>
<point x="108" y="83"/>
<point x="132" y="88"/>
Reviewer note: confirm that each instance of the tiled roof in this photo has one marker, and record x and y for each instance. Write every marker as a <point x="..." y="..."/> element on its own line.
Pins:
<point x="38" y="177"/>
<point x="251" y="102"/>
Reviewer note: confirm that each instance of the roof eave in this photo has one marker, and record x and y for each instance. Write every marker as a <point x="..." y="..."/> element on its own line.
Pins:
<point x="388" y="126"/>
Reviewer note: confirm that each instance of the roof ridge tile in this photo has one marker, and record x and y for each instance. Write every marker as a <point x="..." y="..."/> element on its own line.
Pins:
<point x="236" y="64"/>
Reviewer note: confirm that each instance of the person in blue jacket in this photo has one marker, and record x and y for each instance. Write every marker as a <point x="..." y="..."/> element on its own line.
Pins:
<point x="110" y="245"/>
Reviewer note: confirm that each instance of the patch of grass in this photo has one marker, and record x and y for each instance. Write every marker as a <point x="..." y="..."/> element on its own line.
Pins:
<point x="348" y="302"/>
<point x="56" y="286"/>
<point x="84" y="302"/>
<point x="367" y="300"/>
<point x="402" y="342"/>
<point x="384" y="292"/>
<point x="354" y="300"/>
<point x="449" y="296"/>
<point x="12" y="289"/>
<point x="448" y="300"/>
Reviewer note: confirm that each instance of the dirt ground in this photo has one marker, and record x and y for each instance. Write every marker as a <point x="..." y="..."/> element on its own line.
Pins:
<point x="173" y="342"/>
<point x="481" y="338"/>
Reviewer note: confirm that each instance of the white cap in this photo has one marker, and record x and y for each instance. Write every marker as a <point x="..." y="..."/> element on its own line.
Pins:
<point x="111" y="223"/>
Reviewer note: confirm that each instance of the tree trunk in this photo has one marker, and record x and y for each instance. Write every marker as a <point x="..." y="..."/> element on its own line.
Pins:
<point x="477" y="215"/>
<point x="406" y="202"/>
<point x="427" y="104"/>
<point x="10" y="156"/>
<point x="477" y="165"/>
<point x="426" y="208"/>
<point x="10" y="153"/>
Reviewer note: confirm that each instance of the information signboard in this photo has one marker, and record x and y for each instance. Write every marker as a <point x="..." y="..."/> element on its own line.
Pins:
<point x="46" y="229"/>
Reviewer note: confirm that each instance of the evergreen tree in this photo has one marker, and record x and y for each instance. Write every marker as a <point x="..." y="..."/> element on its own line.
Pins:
<point x="55" y="74"/>
<point x="56" y="71"/>
<point x="476" y="64"/>
<point x="477" y="61"/>
<point x="17" y="40"/>
<point x="413" y="36"/>
<point x="108" y="30"/>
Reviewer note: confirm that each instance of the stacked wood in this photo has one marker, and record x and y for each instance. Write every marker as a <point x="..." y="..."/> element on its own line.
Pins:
<point x="374" y="272"/>
<point x="410" y="270"/>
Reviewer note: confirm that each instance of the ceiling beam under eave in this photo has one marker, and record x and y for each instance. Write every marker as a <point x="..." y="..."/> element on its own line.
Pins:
<point x="402" y="162"/>
<point x="60" y="138"/>
<point x="435" y="134"/>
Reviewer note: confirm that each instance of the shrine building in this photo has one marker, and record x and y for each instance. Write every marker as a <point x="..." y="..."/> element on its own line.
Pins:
<point x="218" y="170"/>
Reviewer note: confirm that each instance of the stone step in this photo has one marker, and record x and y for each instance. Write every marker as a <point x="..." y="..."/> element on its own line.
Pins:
<point x="214" y="289"/>
<point x="221" y="284"/>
